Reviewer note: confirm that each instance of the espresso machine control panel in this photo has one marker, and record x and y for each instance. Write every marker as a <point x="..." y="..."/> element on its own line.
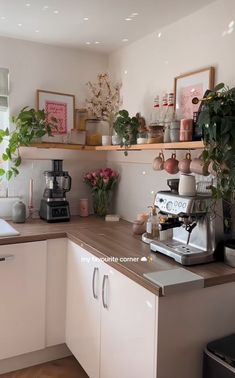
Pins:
<point x="168" y="202"/>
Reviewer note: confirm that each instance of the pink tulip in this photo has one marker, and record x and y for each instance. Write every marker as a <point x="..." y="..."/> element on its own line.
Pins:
<point x="105" y="180"/>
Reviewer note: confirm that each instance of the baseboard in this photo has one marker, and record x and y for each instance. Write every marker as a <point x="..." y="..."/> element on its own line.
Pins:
<point x="34" y="358"/>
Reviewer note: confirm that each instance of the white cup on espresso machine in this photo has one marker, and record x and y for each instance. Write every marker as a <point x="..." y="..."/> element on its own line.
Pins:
<point x="187" y="185"/>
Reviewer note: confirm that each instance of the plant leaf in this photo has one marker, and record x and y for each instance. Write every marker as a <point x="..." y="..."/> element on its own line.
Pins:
<point x="218" y="87"/>
<point x="9" y="174"/>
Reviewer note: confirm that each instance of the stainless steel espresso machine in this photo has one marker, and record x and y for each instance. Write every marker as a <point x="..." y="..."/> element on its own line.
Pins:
<point x="196" y="231"/>
<point x="54" y="205"/>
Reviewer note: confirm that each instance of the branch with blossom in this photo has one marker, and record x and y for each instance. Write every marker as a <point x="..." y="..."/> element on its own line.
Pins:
<point x="104" y="99"/>
<point x="101" y="179"/>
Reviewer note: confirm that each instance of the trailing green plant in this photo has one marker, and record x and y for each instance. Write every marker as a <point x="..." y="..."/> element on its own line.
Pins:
<point x="126" y="128"/>
<point x="29" y="124"/>
<point x="217" y="120"/>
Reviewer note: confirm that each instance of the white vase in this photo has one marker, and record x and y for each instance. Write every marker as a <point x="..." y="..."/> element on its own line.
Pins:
<point x="116" y="140"/>
<point x="106" y="140"/>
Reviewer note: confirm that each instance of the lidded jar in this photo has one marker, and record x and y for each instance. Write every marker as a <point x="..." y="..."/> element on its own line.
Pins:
<point x="19" y="212"/>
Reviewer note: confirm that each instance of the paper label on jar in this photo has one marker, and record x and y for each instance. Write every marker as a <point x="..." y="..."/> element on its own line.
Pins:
<point x="149" y="227"/>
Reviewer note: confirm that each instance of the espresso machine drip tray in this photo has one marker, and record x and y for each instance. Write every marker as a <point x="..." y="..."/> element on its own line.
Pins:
<point x="182" y="253"/>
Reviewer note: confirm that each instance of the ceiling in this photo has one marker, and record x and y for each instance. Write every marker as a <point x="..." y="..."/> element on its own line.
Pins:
<point x="100" y="25"/>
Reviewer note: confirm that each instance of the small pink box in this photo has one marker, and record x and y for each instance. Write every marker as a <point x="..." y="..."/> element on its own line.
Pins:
<point x="83" y="207"/>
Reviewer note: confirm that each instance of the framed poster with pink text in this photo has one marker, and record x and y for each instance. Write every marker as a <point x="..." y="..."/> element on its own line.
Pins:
<point x="191" y="85"/>
<point x="61" y="106"/>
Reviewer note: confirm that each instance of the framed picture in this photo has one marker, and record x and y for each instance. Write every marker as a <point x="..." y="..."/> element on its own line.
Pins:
<point x="189" y="86"/>
<point x="61" y="106"/>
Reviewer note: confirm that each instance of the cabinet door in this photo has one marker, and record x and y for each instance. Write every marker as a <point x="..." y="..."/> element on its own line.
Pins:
<point x="56" y="291"/>
<point x="83" y="308"/>
<point x="23" y="298"/>
<point x="127" y="328"/>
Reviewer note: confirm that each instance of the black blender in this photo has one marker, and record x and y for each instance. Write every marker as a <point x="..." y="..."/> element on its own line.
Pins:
<point x="54" y="205"/>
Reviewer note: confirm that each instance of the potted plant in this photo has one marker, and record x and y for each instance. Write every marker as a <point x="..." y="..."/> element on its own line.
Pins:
<point x="217" y="120"/>
<point x="29" y="124"/>
<point x="126" y="128"/>
<point x="103" y="102"/>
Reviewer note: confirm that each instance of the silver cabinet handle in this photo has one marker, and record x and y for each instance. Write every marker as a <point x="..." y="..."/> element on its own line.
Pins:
<point x="105" y="278"/>
<point x="6" y="258"/>
<point x="93" y="282"/>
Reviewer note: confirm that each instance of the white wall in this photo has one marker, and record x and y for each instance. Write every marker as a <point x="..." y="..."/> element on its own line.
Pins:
<point x="38" y="66"/>
<point x="145" y="68"/>
<point x="148" y="67"/>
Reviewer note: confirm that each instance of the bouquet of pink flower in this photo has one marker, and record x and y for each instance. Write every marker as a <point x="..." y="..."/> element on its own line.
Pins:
<point x="101" y="181"/>
<point x="104" y="179"/>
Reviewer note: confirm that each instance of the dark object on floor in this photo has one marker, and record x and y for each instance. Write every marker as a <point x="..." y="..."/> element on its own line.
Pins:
<point x="219" y="358"/>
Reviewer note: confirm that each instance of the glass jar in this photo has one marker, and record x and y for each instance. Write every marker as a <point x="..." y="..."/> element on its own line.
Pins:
<point x="175" y="131"/>
<point x="155" y="134"/>
<point x="167" y="137"/>
<point x="93" y="133"/>
<point x="142" y="138"/>
<point x="101" y="201"/>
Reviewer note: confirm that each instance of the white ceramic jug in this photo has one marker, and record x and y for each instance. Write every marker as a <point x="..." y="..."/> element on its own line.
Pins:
<point x="187" y="185"/>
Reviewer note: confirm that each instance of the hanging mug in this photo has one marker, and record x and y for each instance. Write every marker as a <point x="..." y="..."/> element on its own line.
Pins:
<point x="158" y="163"/>
<point x="171" y="165"/>
<point x="199" y="166"/>
<point x="184" y="164"/>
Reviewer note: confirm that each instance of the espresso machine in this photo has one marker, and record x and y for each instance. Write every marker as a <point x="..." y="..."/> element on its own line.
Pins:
<point x="196" y="229"/>
<point x="54" y="205"/>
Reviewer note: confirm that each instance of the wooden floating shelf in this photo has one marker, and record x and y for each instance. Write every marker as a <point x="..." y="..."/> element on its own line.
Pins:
<point x="64" y="146"/>
<point x="155" y="146"/>
<point x="137" y="147"/>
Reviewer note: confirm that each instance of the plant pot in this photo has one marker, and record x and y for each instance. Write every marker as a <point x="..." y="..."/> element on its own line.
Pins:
<point x="116" y="140"/>
<point x="106" y="140"/>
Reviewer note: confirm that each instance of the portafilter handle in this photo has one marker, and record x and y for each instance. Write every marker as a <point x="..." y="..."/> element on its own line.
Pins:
<point x="167" y="225"/>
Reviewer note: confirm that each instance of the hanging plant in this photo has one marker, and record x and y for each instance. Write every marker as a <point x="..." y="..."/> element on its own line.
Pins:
<point x="29" y="124"/>
<point x="126" y="128"/>
<point x="217" y="120"/>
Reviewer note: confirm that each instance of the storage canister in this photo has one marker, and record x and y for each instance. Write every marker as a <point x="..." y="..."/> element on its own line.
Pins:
<point x="19" y="212"/>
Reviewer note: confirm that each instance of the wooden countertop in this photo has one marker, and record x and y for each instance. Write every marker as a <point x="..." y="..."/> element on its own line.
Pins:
<point x="115" y="240"/>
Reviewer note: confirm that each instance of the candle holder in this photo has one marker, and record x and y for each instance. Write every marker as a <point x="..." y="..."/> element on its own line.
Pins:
<point x="31" y="211"/>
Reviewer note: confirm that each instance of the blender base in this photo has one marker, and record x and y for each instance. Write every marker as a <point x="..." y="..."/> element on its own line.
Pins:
<point x="54" y="211"/>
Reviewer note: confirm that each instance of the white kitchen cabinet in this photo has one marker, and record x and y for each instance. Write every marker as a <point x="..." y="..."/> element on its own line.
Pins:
<point x="110" y="323"/>
<point x="83" y="308"/>
<point x="56" y="291"/>
<point x="128" y="320"/>
<point x="23" y="298"/>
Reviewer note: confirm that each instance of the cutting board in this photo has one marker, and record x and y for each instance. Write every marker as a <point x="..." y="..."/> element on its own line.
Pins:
<point x="6" y="229"/>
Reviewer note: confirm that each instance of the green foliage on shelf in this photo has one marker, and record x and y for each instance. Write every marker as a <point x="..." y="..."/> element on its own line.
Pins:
<point x="29" y="124"/>
<point x="126" y="128"/>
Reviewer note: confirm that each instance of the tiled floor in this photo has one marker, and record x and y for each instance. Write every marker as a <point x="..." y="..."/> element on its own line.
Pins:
<point x="64" y="368"/>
